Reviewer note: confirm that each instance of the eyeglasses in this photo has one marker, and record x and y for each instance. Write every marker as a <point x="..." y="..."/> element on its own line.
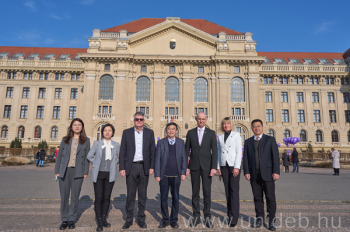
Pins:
<point x="139" y="119"/>
<point x="256" y="127"/>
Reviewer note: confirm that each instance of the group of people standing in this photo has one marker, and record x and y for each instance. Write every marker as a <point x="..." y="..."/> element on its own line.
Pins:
<point x="201" y="157"/>
<point x="287" y="158"/>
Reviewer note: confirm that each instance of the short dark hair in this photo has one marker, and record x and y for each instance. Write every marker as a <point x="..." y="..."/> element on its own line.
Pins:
<point x="171" y="124"/>
<point x="140" y="114"/>
<point x="256" y="120"/>
<point x="106" y="125"/>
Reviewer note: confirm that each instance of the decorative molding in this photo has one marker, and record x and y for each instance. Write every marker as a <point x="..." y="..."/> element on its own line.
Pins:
<point x="91" y="76"/>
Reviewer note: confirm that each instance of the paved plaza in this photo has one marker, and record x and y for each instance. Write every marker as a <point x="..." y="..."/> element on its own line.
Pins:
<point x="311" y="200"/>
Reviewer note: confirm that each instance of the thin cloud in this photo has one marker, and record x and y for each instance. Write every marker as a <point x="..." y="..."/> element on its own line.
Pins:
<point x="324" y="27"/>
<point x="29" y="37"/>
<point x="87" y="2"/>
<point x="48" y="4"/>
<point x="54" y="16"/>
<point x="30" y="5"/>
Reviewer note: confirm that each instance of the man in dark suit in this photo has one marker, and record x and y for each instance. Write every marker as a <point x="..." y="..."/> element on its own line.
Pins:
<point x="169" y="170"/>
<point x="261" y="167"/>
<point x="136" y="163"/>
<point x="203" y="163"/>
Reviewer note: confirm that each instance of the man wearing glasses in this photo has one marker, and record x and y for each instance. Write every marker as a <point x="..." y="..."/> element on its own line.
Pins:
<point x="136" y="163"/>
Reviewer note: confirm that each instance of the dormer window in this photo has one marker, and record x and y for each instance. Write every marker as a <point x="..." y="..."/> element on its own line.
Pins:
<point x="309" y="61"/>
<point x="338" y="61"/>
<point x="267" y="61"/>
<point x="324" y="61"/>
<point x="279" y="61"/>
<point x="294" y="61"/>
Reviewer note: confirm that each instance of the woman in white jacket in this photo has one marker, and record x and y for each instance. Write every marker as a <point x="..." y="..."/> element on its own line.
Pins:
<point x="229" y="166"/>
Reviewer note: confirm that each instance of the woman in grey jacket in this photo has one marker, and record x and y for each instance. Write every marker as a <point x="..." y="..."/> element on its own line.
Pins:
<point x="72" y="168"/>
<point x="104" y="156"/>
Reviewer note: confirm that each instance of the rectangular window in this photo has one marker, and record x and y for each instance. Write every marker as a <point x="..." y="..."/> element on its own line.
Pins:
<point x="200" y="69"/>
<point x="346" y="81"/>
<point x="46" y="76"/>
<point x="311" y="81"/>
<point x="30" y="76"/>
<point x="332" y="116"/>
<point x="24" y="111"/>
<point x="78" y="77"/>
<point x="270" y="80"/>
<point x="9" y="76"/>
<point x="25" y="93"/>
<point x="177" y="111"/>
<point x="269" y="115"/>
<point x="301" y="117"/>
<point x="166" y="110"/>
<point x="58" y="92"/>
<point x="237" y="111"/>
<point x="243" y="111"/>
<point x="331" y="81"/>
<point x="41" y="76"/>
<point x="107" y="67"/>
<point x="172" y="69"/>
<point x="42" y="92"/>
<point x="265" y="80"/>
<point x="268" y="96"/>
<point x="62" y="77"/>
<point x="316" y="81"/>
<point x="237" y="69"/>
<point x="171" y="110"/>
<point x="25" y="76"/>
<point x="315" y="97"/>
<point x="285" y="116"/>
<point x="300" y="97"/>
<point x="285" y="80"/>
<point x="301" y="81"/>
<point x="73" y="77"/>
<point x="346" y="97"/>
<point x="56" y="112"/>
<point x="317" y="116"/>
<point x="330" y="97"/>
<point x="74" y="93"/>
<point x="326" y="81"/>
<point x="105" y="109"/>
<point x="40" y="112"/>
<point x="72" y="112"/>
<point x="7" y="111"/>
<point x="347" y="115"/>
<point x="15" y="76"/>
<point x="9" y="92"/>
<point x="284" y="97"/>
<point x="295" y="81"/>
<point x="142" y="109"/>
<point x="280" y="81"/>
<point x="110" y="109"/>
<point x="143" y="68"/>
<point x="57" y="77"/>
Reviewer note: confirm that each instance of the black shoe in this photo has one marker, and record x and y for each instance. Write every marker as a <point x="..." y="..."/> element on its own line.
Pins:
<point x="258" y="223"/>
<point x="195" y="221"/>
<point x="174" y="225"/>
<point x="127" y="225"/>
<point x="105" y="223"/>
<point x="64" y="225"/>
<point x="99" y="224"/>
<point x="334" y="174"/>
<point x="163" y="225"/>
<point x="71" y="225"/>
<point x="208" y="223"/>
<point x="272" y="226"/>
<point x="142" y="225"/>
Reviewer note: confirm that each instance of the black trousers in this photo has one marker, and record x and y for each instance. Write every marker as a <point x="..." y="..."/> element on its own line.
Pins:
<point x="172" y="183"/>
<point x="232" y="192"/>
<point x="136" y="181"/>
<point x="196" y="176"/>
<point x="287" y="168"/>
<point x="103" y="191"/>
<point x="259" y="187"/>
<point x="336" y="171"/>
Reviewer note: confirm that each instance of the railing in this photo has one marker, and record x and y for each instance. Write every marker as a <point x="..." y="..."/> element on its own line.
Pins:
<point x="28" y="63"/>
<point x="42" y="63"/>
<point x="60" y="64"/>
<point x="110" y="34"/>
<point x="304" y="68"/>
<point x="235" y="37"/>
<point x="12" y="63"/>
<point x="239" y="118"/>
<point x="104" y="116"/>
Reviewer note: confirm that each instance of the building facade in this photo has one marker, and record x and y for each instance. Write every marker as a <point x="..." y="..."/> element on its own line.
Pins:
<point x="172" y="69"/>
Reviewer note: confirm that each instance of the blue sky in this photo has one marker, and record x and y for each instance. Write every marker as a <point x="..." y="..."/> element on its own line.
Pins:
<point x="285" y="26"/>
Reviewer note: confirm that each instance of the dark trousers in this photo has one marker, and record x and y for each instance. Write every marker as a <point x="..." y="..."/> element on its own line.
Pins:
<point x="103" y="191"/>
<point x="296" y="166"/>
<point x="174" y="184"/>
<point x="286" y="168"/>
<point x="259" y="187"/>
<point x="196" y="176"/>
<point x="136" y="181"/>
<point x="232" y="192"/>
<point x="336" y="171"/>
<point x="69" y="185"/>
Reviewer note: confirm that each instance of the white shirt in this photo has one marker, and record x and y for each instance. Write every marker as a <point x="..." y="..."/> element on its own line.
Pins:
<point x="169" y="140"/>
<point x="260" y="136"/>
<point x="203" y="129"/>
<point x="138" y="145"/>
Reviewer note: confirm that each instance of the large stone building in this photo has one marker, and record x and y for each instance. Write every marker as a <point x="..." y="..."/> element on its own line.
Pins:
<point x="171" y="69"/>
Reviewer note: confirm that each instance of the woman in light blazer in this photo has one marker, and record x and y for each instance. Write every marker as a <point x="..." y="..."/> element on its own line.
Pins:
<point x="104" y="156"/>
<point x="229" y="166"/>
<point x="71" y="168"/>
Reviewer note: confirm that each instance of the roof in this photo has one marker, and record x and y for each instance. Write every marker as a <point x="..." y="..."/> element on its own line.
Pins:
<point x="42" y="51"/>
<point x="346" y="54"/>
<point x="144" y="23"/>
<point x="302" y="55"/>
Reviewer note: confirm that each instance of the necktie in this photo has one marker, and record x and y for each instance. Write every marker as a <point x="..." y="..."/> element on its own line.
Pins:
<point x="200" y="137"/>
<point x="171" y="142"/>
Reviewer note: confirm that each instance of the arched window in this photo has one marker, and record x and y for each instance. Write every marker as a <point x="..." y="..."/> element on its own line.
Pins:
<point x="21" y="130"/>
<point x="54" y="132"/>
<point x="201" y="90"/>
<point x="4" y="132"/>
<point x="106" y="88"/>
<point x="237" y="90"/>
<point x="286" y="134"/>
<point x="271" y="133"/>
<point x="302" y="136"/>
<point x="143" y="89"/>
<point x="241" y="131"/>
<point x="349" y="136"/>
<point x="172" y="89"/>
<point x="318" y="136"/>
<point x="37" y="133"/>
<point x="335" y="137"/>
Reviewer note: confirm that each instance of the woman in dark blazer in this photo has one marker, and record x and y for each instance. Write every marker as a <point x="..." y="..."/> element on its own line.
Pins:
<point x="104" y="156"/>
<point x="72" y="168"/>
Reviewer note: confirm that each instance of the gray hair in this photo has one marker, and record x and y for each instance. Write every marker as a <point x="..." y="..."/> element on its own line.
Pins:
<point x="139" y="113"/>
<point x="202" y="113"/>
